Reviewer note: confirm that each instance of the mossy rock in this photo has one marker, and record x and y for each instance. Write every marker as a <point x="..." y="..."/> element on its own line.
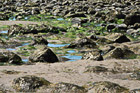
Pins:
<point x="29" y="83"/>
<point x="107" y="87"/>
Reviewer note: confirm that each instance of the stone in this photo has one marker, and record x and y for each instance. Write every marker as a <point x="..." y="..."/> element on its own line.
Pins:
<point x="63" y="88"/>
<point x="39" y="40"/>
<point x="84" y="42"/>
<point x="10" y="57"/>
<point x="120" y="53"/>
<point x="107" y="87"/>
<point x="132" y="19"/>
<point x="29" y="83"/>
<point x="43" y="54"/>
<point x="93" y="55"/>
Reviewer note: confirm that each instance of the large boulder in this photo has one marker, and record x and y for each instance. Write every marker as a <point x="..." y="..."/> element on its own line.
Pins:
<point x="29" y="83"/>
<point x="107" y="87"/>
<point x="63" y="88"/>
<point x="10" y="57"/>
<point x="84" y="42"/>
<point x="43" y="54"/>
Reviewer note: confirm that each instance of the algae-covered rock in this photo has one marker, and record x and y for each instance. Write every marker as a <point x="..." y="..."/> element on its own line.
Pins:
<point x="63" y="88"/>
<point x="107" y="87"/>
<point x="43" y="54"/>
<point x="39" y="40"/>
<point x="29" y="83"/>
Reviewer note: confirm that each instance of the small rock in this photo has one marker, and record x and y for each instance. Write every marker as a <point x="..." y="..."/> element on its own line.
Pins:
<point x="96" y="69"/>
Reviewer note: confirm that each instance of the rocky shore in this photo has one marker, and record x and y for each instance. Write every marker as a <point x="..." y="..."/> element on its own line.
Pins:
<point x="70" y="46"/>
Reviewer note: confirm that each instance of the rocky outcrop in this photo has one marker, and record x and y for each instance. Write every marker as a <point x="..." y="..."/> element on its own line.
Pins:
<point x="107" y="87"/>
<point x="43" y="54"/>
<point x="29" y="83"/>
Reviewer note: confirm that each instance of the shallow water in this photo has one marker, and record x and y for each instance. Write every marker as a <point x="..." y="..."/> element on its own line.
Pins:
<point x="57" y="45"/>
<point x="60" y="19"/>
<point x="4" y="32"/>
<point x="25" y="60"/>
<point x="72" y="57"/>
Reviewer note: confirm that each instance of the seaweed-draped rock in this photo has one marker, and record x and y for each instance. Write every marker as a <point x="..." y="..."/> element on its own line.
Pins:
<point x="10" y="57"/>
<point x="83" y="42"/>
<point x="107" y="87"/>
<point x="29" y="83"/>
<point x="63" y="88"/>
<point x="43" y="54"/>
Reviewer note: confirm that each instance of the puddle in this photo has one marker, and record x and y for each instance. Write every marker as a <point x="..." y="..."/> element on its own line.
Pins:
<point x="57" y="45"/>
<point x="4" y="32"/>
<point x="11" y="49"/>
<point x="12" y="19"/>
<point x="71" y="51"/>
<point x="72" y="57"/>
<point x="25" y="60"/>
<point x="26" y="18"/>
<point x="60" y="19"/>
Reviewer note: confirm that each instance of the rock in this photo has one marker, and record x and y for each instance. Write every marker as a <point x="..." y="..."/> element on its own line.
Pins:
<point x="3" y="17"/>
<point x="10" y="57"/>
<point x="75" y="14"/>
<point x="107" y="87"/>
<point x="121" y="27"/>
<point x="120" y="53"/>
<point x="96" y="69"/>
<point x="43" y="54"/>
<point x="15" y="29"/>
<point x="84" y="42"/>
<point x="93" y="55"/>
<point x="39" y="40"/>
<point x="29" y="83"/>
<point x="132" y="19"/>
<point x="135" y="91"/>
<point x="118" y="38"/>
<point x="111" y="26"/>
<point x="63" y="88"/>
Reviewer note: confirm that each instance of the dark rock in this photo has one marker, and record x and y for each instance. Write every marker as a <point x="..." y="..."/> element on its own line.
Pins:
<point x="39" y="40"/>
<point x="84" y="42"/>
<point x="122" y="39"/>
<point x="96" y="69"/>
<point x="63" y="88"/>
<point x="10" y="57"/>
<point x="29" y="83"/>
<point x="3" y="17"/>
<point x="136" y="25"/>
<point x="111" y="26"/>
<point x="132" y="19"/>
<point x="43" y="54"/>
<point x="107" y="87"/>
